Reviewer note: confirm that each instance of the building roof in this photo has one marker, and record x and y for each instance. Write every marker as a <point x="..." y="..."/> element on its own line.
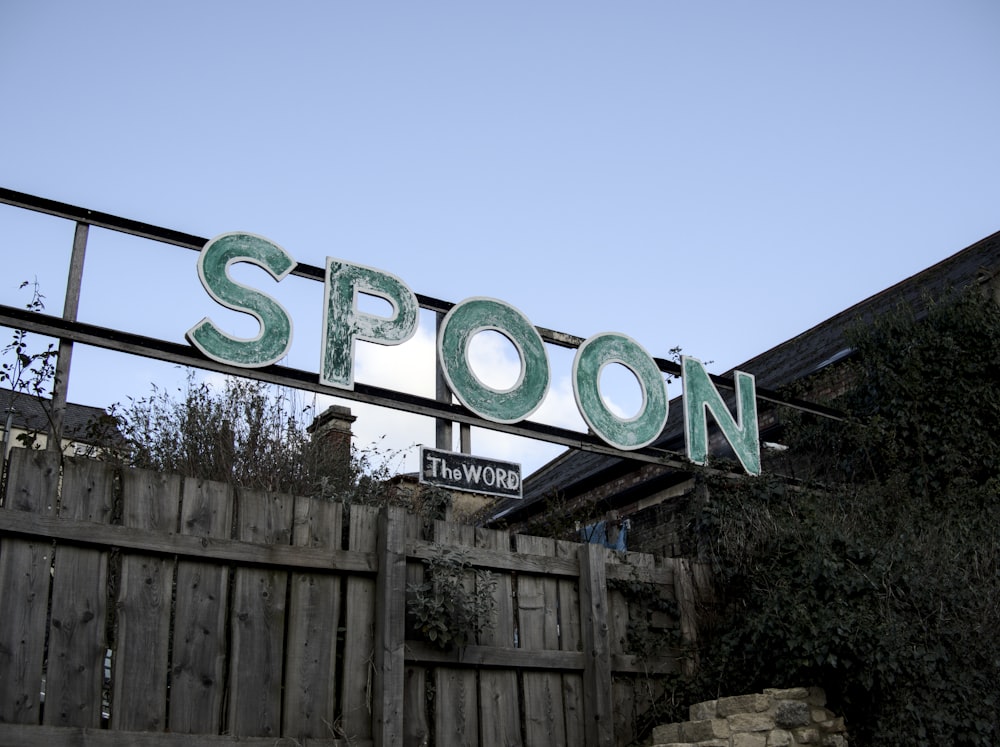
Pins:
<point x="30" y="413"/>
<point x="576" y="472"/>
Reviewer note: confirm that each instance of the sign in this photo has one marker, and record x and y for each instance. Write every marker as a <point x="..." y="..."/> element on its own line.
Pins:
<point x="344" y="323"/>
<point x="449" y="469"/>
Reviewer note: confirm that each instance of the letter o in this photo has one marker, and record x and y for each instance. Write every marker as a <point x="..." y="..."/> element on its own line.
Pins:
<point x="612" y="347"/>
<point x="460" y="325"/>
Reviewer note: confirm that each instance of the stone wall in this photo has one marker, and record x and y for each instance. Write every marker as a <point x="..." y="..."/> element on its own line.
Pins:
<point x="776" y="718"/>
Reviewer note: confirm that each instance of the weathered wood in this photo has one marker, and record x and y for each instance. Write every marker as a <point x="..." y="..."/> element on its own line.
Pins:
<point x="416" y="727"/>
<point x="199" y="655"/>
<point x="390" y="628"/>
<point x="194" y="547"/>
<point x="359" y="631"/>
<point x="499" y="696"/>
<point x="571" y="639"/>
<point x="77" y="636"/>
<point x="150" y="501"/>
<point x="495" y="657"/>
<point x="54" y="736"/>
<point x="456" y="701"/>
<point x="456" y="708"/>
<point x="643" y="664"/>
<point x="571" y="636"/>
<point x="684" y="592"/>
<point x="25" y="579"/>
<point x="313" y="617"/>
<point x="538" y="628"/>
<point x="502" y="561"/>
<point x="596" y="646"/>
<point x="622" y="697"/>
<point x="257" y="622"/>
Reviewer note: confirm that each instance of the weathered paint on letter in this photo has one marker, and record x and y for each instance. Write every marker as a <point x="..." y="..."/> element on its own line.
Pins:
<point x="460" y="325"/>
<point x="612" y="347"/>
<point x="700" y="395"/>
<point x="344" y="323"/>
<point x="275" y="337"/>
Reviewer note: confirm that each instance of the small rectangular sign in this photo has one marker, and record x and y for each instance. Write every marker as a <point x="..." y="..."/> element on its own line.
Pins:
<point x="449" y="469"/>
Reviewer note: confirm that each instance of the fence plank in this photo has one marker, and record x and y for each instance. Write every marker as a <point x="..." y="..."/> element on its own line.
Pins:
<point x="571" y="639"/>
<point x="538" y="628"/>
<point x="597" y="670"/>
<point x="313" y="617"/>
<point x="257" y="622"/>
<point x="77" y="637"/>
<point x="416" y="729"/>
<point x="359" y="631"/>
<point x="456" y="694"/>
<point x="32" y="484"/>
<point x="199" y="657"/>
<point x="623" y="692"/>
<point x="499" y="700"/>
<point x="150" y="501"/>
<point x="390" y="628"/>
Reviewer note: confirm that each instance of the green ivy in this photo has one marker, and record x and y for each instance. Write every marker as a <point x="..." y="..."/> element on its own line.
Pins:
<point x="455" y="602"/>
<point x="878" y="576"/>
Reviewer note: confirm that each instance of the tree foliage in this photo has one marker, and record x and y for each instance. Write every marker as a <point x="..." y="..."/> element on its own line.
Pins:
<point x="880" y="578"/>
<point x="244" y="432"/>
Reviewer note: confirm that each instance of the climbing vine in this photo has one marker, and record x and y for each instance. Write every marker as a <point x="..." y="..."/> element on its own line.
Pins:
<point x="877" y="574"/>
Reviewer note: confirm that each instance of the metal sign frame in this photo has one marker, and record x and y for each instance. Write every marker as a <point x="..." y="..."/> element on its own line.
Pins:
<point x="69" y="331"/>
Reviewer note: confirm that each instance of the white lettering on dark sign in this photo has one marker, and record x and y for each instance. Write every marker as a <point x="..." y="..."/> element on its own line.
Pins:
<point x="449" y="469"/>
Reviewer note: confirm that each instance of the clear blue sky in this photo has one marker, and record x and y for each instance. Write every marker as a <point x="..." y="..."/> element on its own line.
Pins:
<point x="717" y="176"/>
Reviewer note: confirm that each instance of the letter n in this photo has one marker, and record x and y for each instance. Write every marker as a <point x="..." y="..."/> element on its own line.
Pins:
<point x="701" y="396"/>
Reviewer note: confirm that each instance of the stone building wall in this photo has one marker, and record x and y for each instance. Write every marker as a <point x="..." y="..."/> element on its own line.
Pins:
<point x="776" y="718"/>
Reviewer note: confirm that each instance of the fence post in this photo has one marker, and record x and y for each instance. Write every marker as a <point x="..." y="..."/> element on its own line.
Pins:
<point x="599" y="726"/>
<point x="390" y="622"/>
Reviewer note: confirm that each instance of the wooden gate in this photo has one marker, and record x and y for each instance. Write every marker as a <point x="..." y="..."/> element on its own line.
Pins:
<point x="139" y="608"/>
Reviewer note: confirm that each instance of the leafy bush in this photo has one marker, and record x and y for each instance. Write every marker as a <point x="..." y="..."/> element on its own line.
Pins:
<point x="245" y="432"/>
<point x="881" y="581"/>
<point x="455" y="602"/>
<point x="28" y="372"/>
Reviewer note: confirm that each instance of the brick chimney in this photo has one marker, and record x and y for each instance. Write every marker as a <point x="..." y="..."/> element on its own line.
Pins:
<point x="331" y="432"/>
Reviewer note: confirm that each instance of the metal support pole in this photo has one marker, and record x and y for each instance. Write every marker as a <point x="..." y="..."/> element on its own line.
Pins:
<point x="65" y="356"/>
<point x="442" y="427"/>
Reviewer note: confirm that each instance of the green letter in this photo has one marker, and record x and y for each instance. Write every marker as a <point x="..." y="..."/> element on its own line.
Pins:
<point x="275" y="336"/>
<point x="700" y="395"/>
<point x="460" y="325"/>
<point x="611" y="347"/>
<point x="345" y="324"/>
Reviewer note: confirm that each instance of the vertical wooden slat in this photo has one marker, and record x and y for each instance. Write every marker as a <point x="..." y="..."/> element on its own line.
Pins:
<point x="149" y="501"/>
<point x="596" y="647"/>
<point x="359" y="631"/>
<point x="499" y="697"/>
<point x="416" y="730"/>
<point x="390" y="624"/>
<point x="198" y="673"/>
<point x="257" y="623"/>
<point x="570" y="639"/>
<point x="77" y="635"/>
<point x="538" y="628"/>
<point x="32" y="483"/>
<point x="623" y="690"/>
<point x="456" y="705"/>
<point x="313" y="617"/>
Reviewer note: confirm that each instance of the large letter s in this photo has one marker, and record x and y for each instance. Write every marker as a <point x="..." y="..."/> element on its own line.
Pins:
<point x="275" y="337"/>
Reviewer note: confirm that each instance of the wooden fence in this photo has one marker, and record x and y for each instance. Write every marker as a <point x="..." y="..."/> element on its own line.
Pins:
<point x="139" y="608"/>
